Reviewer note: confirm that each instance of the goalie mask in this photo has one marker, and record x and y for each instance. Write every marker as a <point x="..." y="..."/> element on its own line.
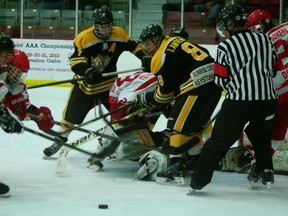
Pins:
<point x="151" y="38"/>
<point x="103" y="22"/>
<point x="18" y="66"/>
<point x="259" y="21"/>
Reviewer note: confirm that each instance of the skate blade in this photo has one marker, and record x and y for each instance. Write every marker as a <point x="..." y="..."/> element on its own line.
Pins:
<point x="94" y="167"/>
<point x="61" y="165"/>
<point x="167" y="181"/>
<point x="45" y="157"/>
<point x="252" y="185"/>
<point x="6" y="195"/>
<point x="268" y="186"/>
<point x="191" y="192"/>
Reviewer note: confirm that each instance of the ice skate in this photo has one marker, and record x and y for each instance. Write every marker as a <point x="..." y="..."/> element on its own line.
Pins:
<point x="4" y="190"/>
<point x="194" y="187"/>
<point x="253" y="176"/>
<point x="51" y="150"/>
<point x="94" y="163"/>
<point x="191" y="191"/>
<point x="173" y="175"/>
<point x="267" y="178"/>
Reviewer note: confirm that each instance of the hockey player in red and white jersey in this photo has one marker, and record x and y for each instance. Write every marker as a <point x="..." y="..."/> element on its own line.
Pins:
<point x="14" y="96"/>
<point x="126" y="88"/>
<point x="15" y="105"/>
<point x="260" y="21"/>
<point x="123" y="92"/>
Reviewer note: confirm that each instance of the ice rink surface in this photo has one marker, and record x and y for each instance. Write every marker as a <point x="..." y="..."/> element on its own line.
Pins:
<point x="37" y="190"/>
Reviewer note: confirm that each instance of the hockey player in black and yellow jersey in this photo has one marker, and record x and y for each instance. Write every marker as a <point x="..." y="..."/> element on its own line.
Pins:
<point x="185" y="80"/>
<point x="97" y="50"/>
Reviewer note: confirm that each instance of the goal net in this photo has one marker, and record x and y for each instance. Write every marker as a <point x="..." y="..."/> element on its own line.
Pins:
<point x="280" y="157"/>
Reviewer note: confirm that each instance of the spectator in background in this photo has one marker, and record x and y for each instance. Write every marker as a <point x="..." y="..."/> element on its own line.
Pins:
<point x="173" y="5"/>
<point x="212" y="8"/>
<point x="55" y="4"/>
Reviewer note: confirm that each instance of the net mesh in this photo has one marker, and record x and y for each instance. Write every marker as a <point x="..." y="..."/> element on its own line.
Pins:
<point x="280" y="158"/>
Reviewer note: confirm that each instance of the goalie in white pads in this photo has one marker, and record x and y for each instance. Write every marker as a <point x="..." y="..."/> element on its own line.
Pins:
<point x="133" y="124"/>
<point x="15" y="105"/>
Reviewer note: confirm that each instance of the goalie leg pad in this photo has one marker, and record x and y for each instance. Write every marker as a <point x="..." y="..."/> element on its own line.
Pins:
<point x="151" y="163"/>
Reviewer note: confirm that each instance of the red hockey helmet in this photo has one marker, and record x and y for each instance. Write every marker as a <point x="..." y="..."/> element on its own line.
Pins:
<point x="258" y="18"/>
<point x="19" y="65"/>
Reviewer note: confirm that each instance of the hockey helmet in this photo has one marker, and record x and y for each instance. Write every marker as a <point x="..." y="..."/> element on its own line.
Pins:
<point x="103" y="22"/>
<point x="6" y="48"/>
<point x="179" y="31"/>
<point x="259" y="21"/>
<point x="18" y="67"/>
<point x="231" y="16"/>
<point x="6" y="44"/>
<point x="152" y="34"/>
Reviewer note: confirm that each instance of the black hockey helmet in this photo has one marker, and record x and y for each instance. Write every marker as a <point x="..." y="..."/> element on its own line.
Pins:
<point x="153" y="33"/>
<point x="6" y="44"/>
<point x="179" y="31"/>
<point x="150" y="32"/>
<point x="231" y="16"/>
<point x="103" y="16"/>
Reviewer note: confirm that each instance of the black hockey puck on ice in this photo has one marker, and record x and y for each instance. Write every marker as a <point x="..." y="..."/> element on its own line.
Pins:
<point x="102" y="206"/>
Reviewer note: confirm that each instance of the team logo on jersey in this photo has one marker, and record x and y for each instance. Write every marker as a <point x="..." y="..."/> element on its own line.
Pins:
<point x="100" y="62"/>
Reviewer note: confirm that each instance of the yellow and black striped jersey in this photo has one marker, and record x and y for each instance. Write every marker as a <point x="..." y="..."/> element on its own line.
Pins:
<point x="180" y="67"/>
<point x="91" y="51"/>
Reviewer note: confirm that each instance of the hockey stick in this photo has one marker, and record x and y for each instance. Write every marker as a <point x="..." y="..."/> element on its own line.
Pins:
<point x="56" y="139"/>
<point x="112" y="138"/>
<point x="126" y="106"/>
<point x="56" y="83"/>
<point x="83" y="78"/>
<point x="121" y="72"/>
<point x="64" y="139"/>
<point x="61" y="163"/>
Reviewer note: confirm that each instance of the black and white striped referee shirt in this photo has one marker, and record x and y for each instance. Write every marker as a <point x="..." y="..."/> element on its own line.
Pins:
<point x="244" y="67"/>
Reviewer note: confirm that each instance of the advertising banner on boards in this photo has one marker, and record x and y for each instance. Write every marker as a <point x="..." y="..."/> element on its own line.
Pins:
<point x="47" y="57"/>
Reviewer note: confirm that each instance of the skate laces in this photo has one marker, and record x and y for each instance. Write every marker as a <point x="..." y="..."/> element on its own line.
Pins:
<point x="175" y="170"/>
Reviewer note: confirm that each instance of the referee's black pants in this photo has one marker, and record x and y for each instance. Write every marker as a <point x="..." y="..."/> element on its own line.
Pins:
<point x="230" y="122"/>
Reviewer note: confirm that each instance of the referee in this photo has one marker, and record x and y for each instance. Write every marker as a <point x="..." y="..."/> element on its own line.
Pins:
<point x="244" y="69"/>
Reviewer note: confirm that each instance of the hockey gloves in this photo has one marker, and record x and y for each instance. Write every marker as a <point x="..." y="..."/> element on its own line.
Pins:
<point x="9" y="122"/>
<point x="92" y="75"/>
<point x="140" y="101"/>
<point x="43" y="118"/>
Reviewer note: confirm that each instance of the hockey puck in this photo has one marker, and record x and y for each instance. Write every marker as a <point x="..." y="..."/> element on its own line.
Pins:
<point x="103" y="206"/>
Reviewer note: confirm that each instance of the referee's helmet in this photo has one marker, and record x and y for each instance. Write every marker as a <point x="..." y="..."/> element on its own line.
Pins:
<point x="231" y="16"/>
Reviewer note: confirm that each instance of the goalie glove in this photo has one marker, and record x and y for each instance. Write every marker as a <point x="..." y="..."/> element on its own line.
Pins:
<point x="237" y="159"/>
<point x="92" y="75"/>
<point x="9" y="122"/>
<point x="43" y="118"/>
